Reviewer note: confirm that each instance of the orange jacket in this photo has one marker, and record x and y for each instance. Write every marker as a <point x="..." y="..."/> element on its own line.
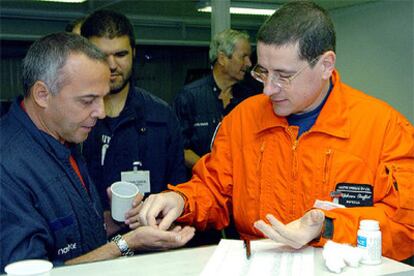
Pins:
<point x="258" y="167"/>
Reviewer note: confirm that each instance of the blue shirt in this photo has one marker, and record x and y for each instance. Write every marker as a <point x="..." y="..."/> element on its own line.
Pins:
<point x="200" y="110"/>
<point x="306" y="120"/>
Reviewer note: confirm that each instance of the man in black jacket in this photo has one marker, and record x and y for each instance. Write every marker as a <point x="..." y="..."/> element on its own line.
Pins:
<point x="139" y="140"/>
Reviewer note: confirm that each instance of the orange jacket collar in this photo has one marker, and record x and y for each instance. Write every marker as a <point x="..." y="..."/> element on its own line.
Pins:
<point x="332" y="120"/>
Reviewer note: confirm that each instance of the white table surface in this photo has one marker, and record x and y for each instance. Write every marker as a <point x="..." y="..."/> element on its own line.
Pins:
<point x="192" y="261"/>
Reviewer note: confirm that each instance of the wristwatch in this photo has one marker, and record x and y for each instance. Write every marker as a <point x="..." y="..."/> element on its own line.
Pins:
<point x="328" y="228"/>
<point x="122" y="245"/>
<point x="326" y="232"/>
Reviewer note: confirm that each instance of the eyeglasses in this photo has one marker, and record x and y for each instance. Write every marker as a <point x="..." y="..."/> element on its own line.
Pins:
<point x="261" y="75"/>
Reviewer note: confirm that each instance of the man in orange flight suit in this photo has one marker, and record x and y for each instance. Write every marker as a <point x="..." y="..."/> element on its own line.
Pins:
<point x="309" y="137"/>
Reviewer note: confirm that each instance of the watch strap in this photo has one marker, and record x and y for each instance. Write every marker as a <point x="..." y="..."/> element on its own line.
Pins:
<point x="122" y="245"/>
<point x="326" y="232"/>
<point x="328" y="228"/>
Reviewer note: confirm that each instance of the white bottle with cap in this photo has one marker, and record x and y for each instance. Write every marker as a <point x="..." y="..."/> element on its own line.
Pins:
<point x="369" y="239"/>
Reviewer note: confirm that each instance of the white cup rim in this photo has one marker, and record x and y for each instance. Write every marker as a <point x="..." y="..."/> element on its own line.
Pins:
<point x="35" y="266"/>
<point x="123" y="183"/>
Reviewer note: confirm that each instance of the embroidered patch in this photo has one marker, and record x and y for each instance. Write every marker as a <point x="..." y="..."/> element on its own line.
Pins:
<point x="355" y="195"/>
<point x="61" y="223"/>
<point x="200" y="124"/>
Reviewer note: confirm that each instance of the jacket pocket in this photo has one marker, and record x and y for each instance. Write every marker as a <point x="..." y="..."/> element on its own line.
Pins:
<point x="401" y="181"/>
<point x="334" y="166"/>
<point x="66" y="237"/>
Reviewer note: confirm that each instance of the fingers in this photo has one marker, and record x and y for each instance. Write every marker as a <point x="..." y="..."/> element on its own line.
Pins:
<point x="266" y="230"/>
<point x="167" y="220"/>
<point x="138" y="200"/>
<point x="275" y="222"/>
<point x="269" y="232"/>
<point x="170" y="205"/>
<point x="109" y="193"/>
<point x="313" y="221"/>
<point x="314" y="217"/>
<point x="175" y="228"/>
<point x="280" y="227"/>
<point x="184" y="235"/>
<point x="148" y="238"/>
<point x="172" y="239"/>
<point x="135" y="225"/>
<point x="298" y="232"/>
<point x="149" y="211"/>
<point x="133" y="222"/>
<point x="133" y="212"/>
<point x="290" y="236"/>
<point x="177" y="237"/>
<point x="187" y="234"/>
<point x="279" y="232"/>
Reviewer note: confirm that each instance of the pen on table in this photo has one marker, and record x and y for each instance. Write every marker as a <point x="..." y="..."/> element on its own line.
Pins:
<point x="247" y="247"/>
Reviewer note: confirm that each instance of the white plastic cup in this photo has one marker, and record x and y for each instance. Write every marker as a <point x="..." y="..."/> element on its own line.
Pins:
<point x="123" y="194"/>
<point x="32" y="267"/>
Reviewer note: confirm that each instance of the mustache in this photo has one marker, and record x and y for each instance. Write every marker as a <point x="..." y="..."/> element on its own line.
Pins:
<point x="115" y="71"/>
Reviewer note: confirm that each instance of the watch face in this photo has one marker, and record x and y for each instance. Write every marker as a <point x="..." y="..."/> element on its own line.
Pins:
<point x="122" y="245"/>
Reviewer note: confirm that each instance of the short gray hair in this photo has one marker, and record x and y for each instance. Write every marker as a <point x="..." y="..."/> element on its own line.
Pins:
<point x="225" y="42"/>
<point x="48" y="55"/>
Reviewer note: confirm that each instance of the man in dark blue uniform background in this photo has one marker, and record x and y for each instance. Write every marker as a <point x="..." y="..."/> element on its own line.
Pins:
<point x="139" y="128"/>
<point x="201" y="105"/>
<point x="49" y="206"/>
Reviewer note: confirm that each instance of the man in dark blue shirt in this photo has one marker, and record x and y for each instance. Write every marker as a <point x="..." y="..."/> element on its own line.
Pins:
<point x="202" y="104"/>
<point x="49" y="206"/>
<point x="139" y="129"/>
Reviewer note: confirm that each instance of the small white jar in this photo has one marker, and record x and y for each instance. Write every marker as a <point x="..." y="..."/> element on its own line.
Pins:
<point x="369" y="240"/>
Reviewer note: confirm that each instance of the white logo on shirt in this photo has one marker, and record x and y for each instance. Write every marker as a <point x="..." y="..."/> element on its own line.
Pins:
<point x="66" y="249"/>
<point x="201" y="124"/>
<point x="105" y="140"/>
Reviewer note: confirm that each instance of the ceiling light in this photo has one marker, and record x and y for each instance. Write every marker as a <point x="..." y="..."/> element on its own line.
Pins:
<point x="240" y="10"/>
<point x="64" y="1"/>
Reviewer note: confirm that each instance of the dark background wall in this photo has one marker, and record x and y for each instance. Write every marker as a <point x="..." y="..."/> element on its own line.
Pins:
<point x="374" y="49"/>
<point x="161" y="70"/>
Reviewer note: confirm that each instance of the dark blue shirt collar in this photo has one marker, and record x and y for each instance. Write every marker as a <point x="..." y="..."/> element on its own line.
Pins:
<point x="306" y="120"/>
<point x="49" y="142"/>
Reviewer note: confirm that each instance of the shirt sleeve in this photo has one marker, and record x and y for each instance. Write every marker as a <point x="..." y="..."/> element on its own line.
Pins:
<point x="176" y="165"/>
<point x="209" y="192"/>
<point x="24" y="233"/>
<point x="182" y="108"/>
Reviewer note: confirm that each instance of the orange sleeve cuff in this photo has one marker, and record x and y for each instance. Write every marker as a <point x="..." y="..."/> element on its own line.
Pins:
<point x="326" y="233"/>
<point x="186" y="210"/>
